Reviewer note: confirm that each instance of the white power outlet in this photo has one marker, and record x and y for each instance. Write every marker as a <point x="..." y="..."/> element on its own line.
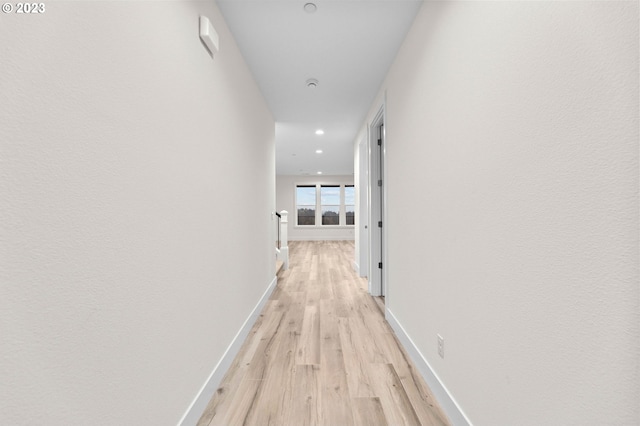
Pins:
<point x="440" y="346"/>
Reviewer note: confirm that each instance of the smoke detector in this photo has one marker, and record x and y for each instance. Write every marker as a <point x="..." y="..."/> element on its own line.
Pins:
<point x="312" y="83"/>
<point x="310" y="8"/>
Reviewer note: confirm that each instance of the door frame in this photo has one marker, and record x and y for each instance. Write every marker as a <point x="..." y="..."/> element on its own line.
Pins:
<point x="378" y="280"/>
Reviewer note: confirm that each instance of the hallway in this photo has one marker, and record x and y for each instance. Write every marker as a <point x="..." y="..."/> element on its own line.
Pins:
<point x="321" y="353"/>
<point x="140" y="174"/>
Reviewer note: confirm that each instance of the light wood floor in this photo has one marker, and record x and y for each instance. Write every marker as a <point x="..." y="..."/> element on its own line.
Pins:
<point x="321" y="353"/>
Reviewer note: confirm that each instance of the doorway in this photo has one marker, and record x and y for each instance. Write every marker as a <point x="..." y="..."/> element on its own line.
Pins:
<point x="377" y="282"/>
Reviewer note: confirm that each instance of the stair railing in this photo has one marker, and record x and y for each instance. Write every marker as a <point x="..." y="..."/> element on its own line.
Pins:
<point x="282" y="248"/>
<point x="278" y="230"/>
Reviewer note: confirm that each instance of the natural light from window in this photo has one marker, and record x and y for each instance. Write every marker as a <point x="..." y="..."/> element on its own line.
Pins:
<point x="325" y="205"/>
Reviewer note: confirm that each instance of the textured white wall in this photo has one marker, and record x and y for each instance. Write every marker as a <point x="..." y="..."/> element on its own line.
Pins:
<point x="136" y="185"/>
<point x="512" y="172"/>
<point x="285" y="200"/>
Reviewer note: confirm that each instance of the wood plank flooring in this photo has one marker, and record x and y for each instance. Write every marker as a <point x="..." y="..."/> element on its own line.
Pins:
<point x="321" y="353"/>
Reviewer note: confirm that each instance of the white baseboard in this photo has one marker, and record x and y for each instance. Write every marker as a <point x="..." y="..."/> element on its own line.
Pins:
<point x="440" y="392"/>
<point x="210" y="386"/>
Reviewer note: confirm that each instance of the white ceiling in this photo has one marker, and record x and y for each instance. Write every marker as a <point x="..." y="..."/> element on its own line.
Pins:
<point x="347" y="45"/>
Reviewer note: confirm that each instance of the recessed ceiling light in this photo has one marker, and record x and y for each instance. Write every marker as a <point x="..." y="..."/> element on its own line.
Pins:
<point x="319" y="173"/>
<point x="310" y="8"/>
<point x="319" y="132"/>
<point x="312" y="83"/>
<point x="318" y="151"/>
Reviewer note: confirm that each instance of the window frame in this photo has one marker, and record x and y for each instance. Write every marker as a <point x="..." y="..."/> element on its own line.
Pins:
<point x="344" y="203"/>
<point x="342" y="221"/>
<point x="328" y="205"/>
<point x="315" y="206"/>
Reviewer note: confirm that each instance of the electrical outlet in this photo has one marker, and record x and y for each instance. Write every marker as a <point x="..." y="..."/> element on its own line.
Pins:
<point x="440" y="346"/>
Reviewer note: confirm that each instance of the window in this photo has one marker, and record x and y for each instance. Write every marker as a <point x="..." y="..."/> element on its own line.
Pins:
<point x="330" y="203"/>
<point x="325" y="205"/>
<point x="350" y="204"/>
<point x="306" y="204"/>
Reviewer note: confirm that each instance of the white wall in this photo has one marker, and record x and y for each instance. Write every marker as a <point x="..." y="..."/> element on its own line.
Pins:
<point x="285" y="200"/>
<point x="128" y="157"/>
<point x="512" y="179"/>
<point x="361" y="231"/>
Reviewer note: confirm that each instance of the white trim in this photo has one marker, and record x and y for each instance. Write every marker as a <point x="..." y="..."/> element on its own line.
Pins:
<point x="324" y="226"/>
<point x="322" y="238"/>
<point x="384" y="288"/>
<point x="440" y="392"/>
<point x="199" y="404"/>
<point x="376" y="200"/>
